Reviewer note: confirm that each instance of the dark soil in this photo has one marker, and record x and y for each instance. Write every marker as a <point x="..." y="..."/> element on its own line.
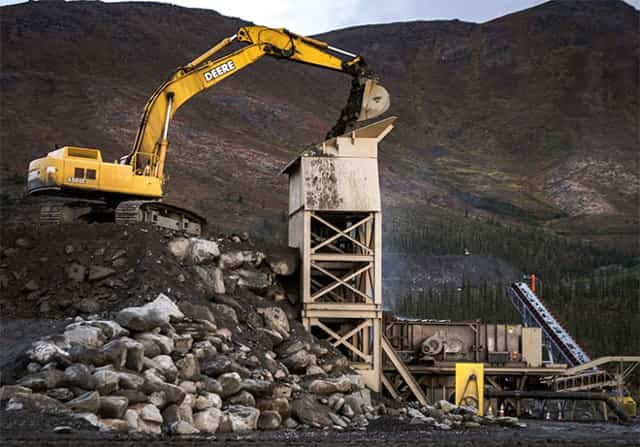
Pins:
<point x="22" y="428"/>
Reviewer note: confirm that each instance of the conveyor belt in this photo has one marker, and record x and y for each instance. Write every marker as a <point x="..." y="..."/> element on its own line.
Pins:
<point x="535" y="313"/>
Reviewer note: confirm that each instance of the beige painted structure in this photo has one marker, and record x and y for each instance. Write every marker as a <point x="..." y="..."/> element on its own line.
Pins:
<point x="335" y="220"/>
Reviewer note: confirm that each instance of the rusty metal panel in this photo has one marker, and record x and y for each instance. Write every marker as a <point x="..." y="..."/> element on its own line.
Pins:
<point x="513" y="339"/>
<point x="491" y="338"/>
<point x="296" y="230"/>
<point x="532" y="346"/>
<point x="340" y="184"/>
<point x="295" y="190"/>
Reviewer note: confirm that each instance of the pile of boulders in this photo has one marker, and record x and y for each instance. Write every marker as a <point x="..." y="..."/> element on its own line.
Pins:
<point x="163" y="368"/>
<point x="237" y="361"/>
<point x="446" y="416"/>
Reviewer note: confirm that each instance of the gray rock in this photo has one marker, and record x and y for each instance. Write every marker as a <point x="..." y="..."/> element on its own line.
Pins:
<point x="233" y="259"/>
<point x="107" y="381"/>
<point x="210" y="385"/>
<point x="253" y="279"/>
<point x="129" y="380"/>
<point x="243" y="398"/>
<point x="242" y="418"/>
<point x="89" y="417"/>
<point x="80" y="334"/>
<point x="155" y="344"/>
<point x="314" y="370"/>
<point x="202" y="251"/>
<point x="208" y="400"/>
<point x="159" y="312"/>
<point x="158" y="399"/>
<point x="155" y="382"/>
<point x="359" y="400"/>
<point x="207" y="421"/>
<point x="34" y="401"/>
<point x="182" y="343"/>
<point x="203" y="350"/>
<point x="217" y="281"/>
<point x="278" y="404"/>
<point x="298" y="361"/>
<point x="329" y="386"/>
<point x="166" y="367"/>
<point x="179" y="247"/>
<point x="7" y="391"/>
<point x="113" y="406"/>
<point x="216" y="366"/>
<point x="230" y="382"/>
<point x="44" y="352"/>
<point x="309" y="411"/>
<point x="97" y="272"/>
<point x="272" y="336"/>
<point x="269" y="420"/>
<point x="79" y="375"/>
<point x="339" y="421"/>
<point x="446" y="406"/>
<point x="115" y="352"/>
<point x="76" y="272"/>
<point x="133" y="396"/>
<point x="197" y="312"/>
<point x="88" y="306"/>
<point x="147" y="412"/>
<point x="224" y="312"/>
<point x="152" y="428"/>
<point x="174" y="413"/>
<point x="85" y="403"/>
<point x="183" y="428"/>
<point x="188" y="387"/>
<point x="115" y="425"/>
<point x="43" y="380"/>
<point x="188" y="367"/>
<point x="259" y="388"/>
<point x="276" y="320"/>
<point x="284" y="262"/>
<point x="61" y="394"/>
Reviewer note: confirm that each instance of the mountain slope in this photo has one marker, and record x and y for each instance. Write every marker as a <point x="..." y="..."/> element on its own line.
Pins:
<point x="531" y="117"/>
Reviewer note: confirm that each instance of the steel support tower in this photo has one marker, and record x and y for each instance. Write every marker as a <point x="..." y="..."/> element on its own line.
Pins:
<point x="335" y="220"/>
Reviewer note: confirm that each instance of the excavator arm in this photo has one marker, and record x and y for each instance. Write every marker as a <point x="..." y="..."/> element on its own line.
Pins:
<point x="367" y="99"/>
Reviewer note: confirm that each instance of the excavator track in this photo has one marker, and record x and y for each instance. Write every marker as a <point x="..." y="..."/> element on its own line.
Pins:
<point x="51" y="214"/>
<point x="57" y="212"/>
<point x="128" y="212"/>
<point x="160" y="214"/>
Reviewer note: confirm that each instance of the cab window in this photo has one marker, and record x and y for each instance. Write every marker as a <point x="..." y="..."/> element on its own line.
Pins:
<point x="79" y="173"/>
<point x="91" y="174"/>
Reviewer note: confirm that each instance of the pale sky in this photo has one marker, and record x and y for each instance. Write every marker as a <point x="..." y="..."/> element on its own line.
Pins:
<point x="318" y="16"/>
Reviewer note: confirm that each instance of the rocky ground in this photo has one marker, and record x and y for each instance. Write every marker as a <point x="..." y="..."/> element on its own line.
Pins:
<point x="122" y="334"/>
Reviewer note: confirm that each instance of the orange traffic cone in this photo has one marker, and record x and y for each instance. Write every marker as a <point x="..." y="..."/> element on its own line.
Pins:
<point x="501" y="411"/>
<point x="559" y="415"/>
<point x="490" y="411"/>
<point x="548" y="417"/>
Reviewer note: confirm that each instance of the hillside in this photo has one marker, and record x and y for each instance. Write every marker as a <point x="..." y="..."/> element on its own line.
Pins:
<point x="531" y="117"/>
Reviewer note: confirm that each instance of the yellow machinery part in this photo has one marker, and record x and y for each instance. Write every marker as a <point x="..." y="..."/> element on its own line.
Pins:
<point x="629" y="405"/>
<point x="470" y="385"/>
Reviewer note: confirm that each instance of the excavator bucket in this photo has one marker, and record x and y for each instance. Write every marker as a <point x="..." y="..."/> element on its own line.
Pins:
<point x="375" y="100"/>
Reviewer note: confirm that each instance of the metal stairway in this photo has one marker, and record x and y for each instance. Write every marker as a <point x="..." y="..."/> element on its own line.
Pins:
<point x="556" y="338"/>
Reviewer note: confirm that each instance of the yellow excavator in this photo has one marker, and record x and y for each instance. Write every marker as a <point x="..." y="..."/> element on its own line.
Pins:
<point x="131" y="189"/>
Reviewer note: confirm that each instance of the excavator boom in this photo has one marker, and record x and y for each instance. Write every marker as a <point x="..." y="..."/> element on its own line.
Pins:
<point x="367" y="98"/>
<point x="133" y="187"/>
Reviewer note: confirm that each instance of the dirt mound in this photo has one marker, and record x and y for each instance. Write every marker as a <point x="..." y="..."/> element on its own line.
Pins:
<point x="65" y="270"/>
